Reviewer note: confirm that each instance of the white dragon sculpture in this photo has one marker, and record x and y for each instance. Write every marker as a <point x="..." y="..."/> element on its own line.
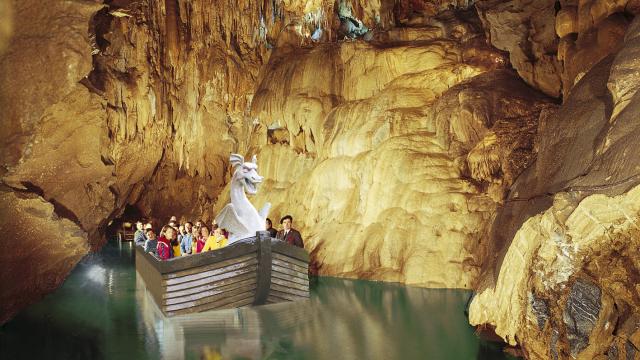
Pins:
<point x="240" y="217"/>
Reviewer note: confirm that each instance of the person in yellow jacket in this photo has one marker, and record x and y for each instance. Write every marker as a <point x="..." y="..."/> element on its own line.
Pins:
<point x="215" y="241"/>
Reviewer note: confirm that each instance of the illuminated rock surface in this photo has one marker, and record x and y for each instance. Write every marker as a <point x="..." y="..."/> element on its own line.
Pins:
<point x="405" y="146"/>
<point x="567" y="286"/>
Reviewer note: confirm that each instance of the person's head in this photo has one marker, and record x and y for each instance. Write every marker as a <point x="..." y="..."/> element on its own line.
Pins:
<point x="214" y="227"/>
<point x="204" y="231"/>
<point x="139" y="225"/>
<point x="170" y="233"/>
<point x="187" y="226"/>
<point x="217" y="231"/>
<point x="195" y="231"/>
<point x="268" y="223"/>
<point x="199" y="223"/>
<point x="151" y="234"/>
<point x="174" y="219"/>
<point x="286" y="222"/>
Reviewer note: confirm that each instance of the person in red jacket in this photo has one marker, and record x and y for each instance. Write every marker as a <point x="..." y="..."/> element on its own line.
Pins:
<point x="164" y="249"/>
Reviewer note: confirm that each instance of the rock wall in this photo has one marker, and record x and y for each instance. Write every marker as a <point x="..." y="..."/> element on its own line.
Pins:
<point x="552" y="44"/>
<point x="566" y="286"/>
<point x="406" y="147"/>
<point x="393" y="155"/>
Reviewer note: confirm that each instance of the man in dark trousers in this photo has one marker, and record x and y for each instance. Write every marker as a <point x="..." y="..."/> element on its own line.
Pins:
<point x="291" y="236"/>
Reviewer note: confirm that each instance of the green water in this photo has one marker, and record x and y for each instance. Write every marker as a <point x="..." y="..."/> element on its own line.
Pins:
<point x="103" y="312"/>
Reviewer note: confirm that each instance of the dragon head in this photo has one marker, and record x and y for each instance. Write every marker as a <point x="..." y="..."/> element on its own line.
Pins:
<point x="246" y="173"/>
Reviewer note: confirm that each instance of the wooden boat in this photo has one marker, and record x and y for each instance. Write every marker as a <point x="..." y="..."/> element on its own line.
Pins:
<point x="253" y="271"/>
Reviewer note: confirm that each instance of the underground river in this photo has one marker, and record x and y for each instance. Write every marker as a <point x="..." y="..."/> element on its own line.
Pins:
<point x="103" y="312"/>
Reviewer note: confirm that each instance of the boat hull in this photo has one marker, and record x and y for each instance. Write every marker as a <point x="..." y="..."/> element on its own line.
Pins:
<point x="254" y="271"/>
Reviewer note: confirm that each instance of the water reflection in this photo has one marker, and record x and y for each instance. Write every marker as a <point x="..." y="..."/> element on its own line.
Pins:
<point x="344" y="319"/>
<point x="104" y="312"/>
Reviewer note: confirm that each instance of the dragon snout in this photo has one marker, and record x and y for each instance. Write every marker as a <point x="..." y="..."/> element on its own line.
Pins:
<point x="257" y="179"/>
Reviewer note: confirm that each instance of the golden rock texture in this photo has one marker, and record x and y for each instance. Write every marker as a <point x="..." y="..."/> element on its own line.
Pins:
<point x="564" y="283"/>
<point x="594" y="242"/>
<point x="552" y="44"/>
<point x="45" y="249"/>
<point x="52" y="135"/>
<point x="401" y="142"/>
<point x="392" y="159"/>
<point x="6" y="23"/>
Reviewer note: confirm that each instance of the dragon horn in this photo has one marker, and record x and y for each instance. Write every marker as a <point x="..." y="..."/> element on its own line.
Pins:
<point x="254" y="159"/>
<point x="236" y="160"/>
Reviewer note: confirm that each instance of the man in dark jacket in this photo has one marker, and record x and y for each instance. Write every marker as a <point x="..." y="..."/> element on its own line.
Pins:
<point x="291" y="236"/>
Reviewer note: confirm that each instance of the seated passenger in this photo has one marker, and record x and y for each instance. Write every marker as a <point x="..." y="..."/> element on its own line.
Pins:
<point x="273" y="232"/>
<point x="195" y="234"/>
<point x="151" y="243"/>
<point x="204" y="235"/>
<point x="138" y="237"/>
<point x="180" y="232"/>
<point x="164" y="249"/>
<point x="186" y="239"/>
<point x="175" y="245"/>
<point x="215" y="241"/>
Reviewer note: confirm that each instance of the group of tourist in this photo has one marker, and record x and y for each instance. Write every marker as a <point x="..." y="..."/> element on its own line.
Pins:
<point x="186" y="239"/>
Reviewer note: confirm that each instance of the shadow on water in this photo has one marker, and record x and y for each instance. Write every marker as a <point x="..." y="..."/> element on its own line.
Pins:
<point x="104" y="312"/>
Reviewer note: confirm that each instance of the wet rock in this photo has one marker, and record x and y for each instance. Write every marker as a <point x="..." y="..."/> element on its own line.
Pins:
<point x="553" y="345"/>
<point x="630" y="351"/>
<point x="526" y="29"/>
<point x="541" y="311"/>
<point x="612" y="353"/>
<point x="581" y="314"/>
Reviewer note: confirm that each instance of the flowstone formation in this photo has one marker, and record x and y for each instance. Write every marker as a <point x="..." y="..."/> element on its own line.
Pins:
<point x="393" y="155"/>
<point x="566" y="286"/>
<point x="412" y="140"/>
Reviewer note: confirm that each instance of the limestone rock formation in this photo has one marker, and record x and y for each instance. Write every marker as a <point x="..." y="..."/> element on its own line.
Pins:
<point x="408" y="139"/>
<point x="552" y="44"/>
<point x="580" y="257"/>
<point x="384" y="154"/>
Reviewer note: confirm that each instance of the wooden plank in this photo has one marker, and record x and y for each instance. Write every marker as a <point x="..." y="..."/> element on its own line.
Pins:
<point x="274" y="299"/>
<point x="210" y="273"/>
<point x="213" y="266"/>
<point x="285" y="296"/>
<point x="208" y="293"/>
<point x="284" y="289"/>
<point x="209" y="280"/>
<point x="219" y="304"/>
<point x="225" y="295"/>
<point x="290" y="278"/>
<point x="290" y="284"/>
<point x="215" y="285"/>
<point x="290" y="272"/>
<point x="281" y="247"/>
<point x="151" y="278"/>
<point x="302" y="264"/>
<point x="291" y="266"/>
<point x="264" y="268"/>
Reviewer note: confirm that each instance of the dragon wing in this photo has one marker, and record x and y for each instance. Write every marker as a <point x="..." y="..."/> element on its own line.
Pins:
<point x="264" y="212"/>
<point x="228" y="219"/>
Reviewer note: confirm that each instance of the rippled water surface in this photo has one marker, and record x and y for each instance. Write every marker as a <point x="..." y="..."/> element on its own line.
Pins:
<point x="103" y="312"/>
